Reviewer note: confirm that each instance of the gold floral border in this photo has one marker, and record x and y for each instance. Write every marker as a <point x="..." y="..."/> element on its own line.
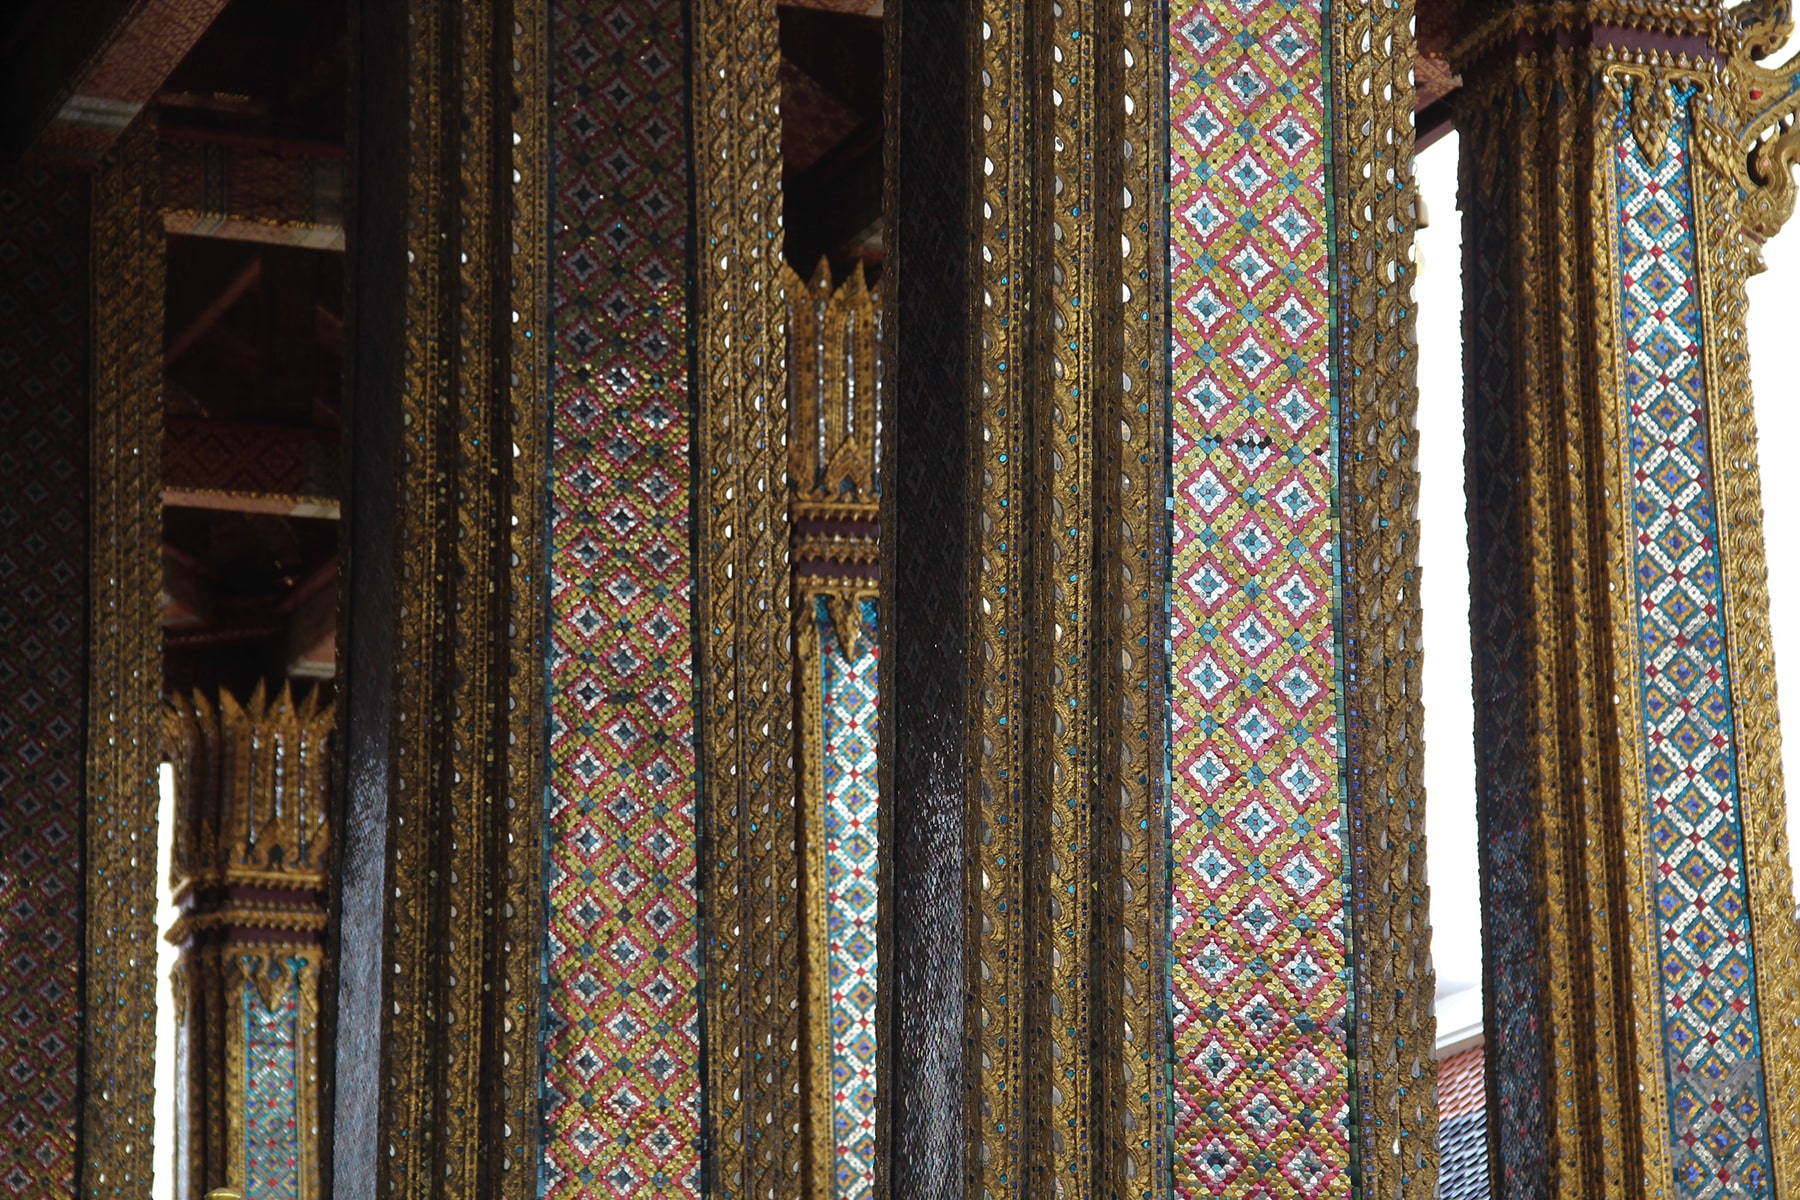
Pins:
<point x="755" y="1098"/>
<point x="1130" y="478"/>
<point x="1391" y="1041"/>
<point x="996" y="883"/>
<point x="521" y="918"/>
<point x="462" y="935"/>
<point x="1725" y="259"/>
<point x="124" y="722"/>
<point x="452" y="941"/>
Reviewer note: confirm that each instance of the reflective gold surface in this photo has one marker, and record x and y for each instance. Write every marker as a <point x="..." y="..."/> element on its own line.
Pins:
<point x="125" y="668"/>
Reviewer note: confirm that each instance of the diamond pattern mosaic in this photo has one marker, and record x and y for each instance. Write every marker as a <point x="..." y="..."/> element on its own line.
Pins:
<point x="1711" y="1048"/>
<point x="851" y="799"/>
<point x="1260" y="980"/>
<point x="43" y="637"/>
<point x="272" y="1086"/>
<point x="622" y="1051"/>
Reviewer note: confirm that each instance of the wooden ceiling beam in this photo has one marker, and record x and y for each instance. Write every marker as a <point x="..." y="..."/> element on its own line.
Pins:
<point x="268" y="504"/>
<point x="209" y="316"/>
<point x="240" y="467"/>
<point x="854" y="8"/>
<point x="253" y="190"/>
<point x="86" y="68"/>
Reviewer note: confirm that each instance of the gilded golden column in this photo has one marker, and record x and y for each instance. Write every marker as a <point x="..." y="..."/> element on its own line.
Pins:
<point x="248" y="873"/>
<point x="1621" y="162"/>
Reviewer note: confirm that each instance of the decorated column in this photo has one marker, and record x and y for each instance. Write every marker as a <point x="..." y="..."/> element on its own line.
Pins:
<point x="1180" y="783"/>
<point x="1641" y="972"/>
<point x="569" y="953"/>
<point x="834" y="413"/>
<point x="252" y="796"/>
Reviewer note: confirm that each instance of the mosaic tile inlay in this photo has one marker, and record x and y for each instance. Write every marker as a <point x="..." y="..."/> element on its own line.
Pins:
<point x="1260" y="978"/>
<point x="272" y="1085"/>
<point x="851" y="800"/>
<point x="622" y="1047"/>
<point x="43" y="682"/>
<point x="1711" y="1048"/>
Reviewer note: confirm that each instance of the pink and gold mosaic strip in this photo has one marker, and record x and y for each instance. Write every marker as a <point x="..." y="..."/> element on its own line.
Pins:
<point x="622" y="1048"/>
<point x="1260" y="975"/>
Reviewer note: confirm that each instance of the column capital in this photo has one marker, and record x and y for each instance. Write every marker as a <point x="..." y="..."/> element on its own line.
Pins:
<point x="252" y="789"/>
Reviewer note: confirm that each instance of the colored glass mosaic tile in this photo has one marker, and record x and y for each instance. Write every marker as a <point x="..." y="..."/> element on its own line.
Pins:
<point x="622" y="1049"/>
<point x="272" y="1084"/>
<point x="1711" y="1043"/>
<point x="1260" y="977"/>
<point x="43" y="680"/>
<point x="851" y="799"/>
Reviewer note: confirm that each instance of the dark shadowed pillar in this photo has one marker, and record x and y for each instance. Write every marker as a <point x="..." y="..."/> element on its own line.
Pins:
<point x="925" y="594"/>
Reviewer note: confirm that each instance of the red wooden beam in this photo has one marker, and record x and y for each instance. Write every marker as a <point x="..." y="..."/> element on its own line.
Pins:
<point x="209" y="316"/>
<point x="120" y="67"/>
<point x="856" y="8"/>
<point x="253" y="189"/>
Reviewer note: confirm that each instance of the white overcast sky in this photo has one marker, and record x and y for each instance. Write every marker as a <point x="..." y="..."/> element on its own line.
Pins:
<point x="1449" y="759"/>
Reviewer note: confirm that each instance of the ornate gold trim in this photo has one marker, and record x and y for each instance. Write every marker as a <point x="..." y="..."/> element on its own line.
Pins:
<point x="1725" y="259"/>
<point x="1003" y="189"/>
<point x="463" y="938"/>
<point x="1131" y="480"/>
<point x="410" y="1016"/>
<point x="1377" y="211"/>
<point x="1516" y="23"/>
<point x="836" y="548"/>
<point x="231" y="977"/>
<point x="248" y="914"/>
<point x="253" y="799"/>
<point x="520" y="921"/>
<point x="808" y="665"/>
<point x="125" y="668"/>
<point x="1765" y="132"/>
<point x="804" y="509"/>
<point x="1073" y="368"/>
<point x="834" y="390"/>
<point x="743" y="649"/>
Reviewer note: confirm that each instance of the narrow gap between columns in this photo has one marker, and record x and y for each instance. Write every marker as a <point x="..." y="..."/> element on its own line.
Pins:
<point x="1453" y="839"/>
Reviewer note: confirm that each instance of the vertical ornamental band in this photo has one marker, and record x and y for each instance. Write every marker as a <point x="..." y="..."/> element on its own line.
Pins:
<point x="44" y="449"/>
<point x="1261" y="975"/>
<point x="1711" y="1039"/>
<point x="276" y="1042"/>
<point x="841" y="655"/>
<point x="124" y="667"/>
<point x="621" y="1088"/>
